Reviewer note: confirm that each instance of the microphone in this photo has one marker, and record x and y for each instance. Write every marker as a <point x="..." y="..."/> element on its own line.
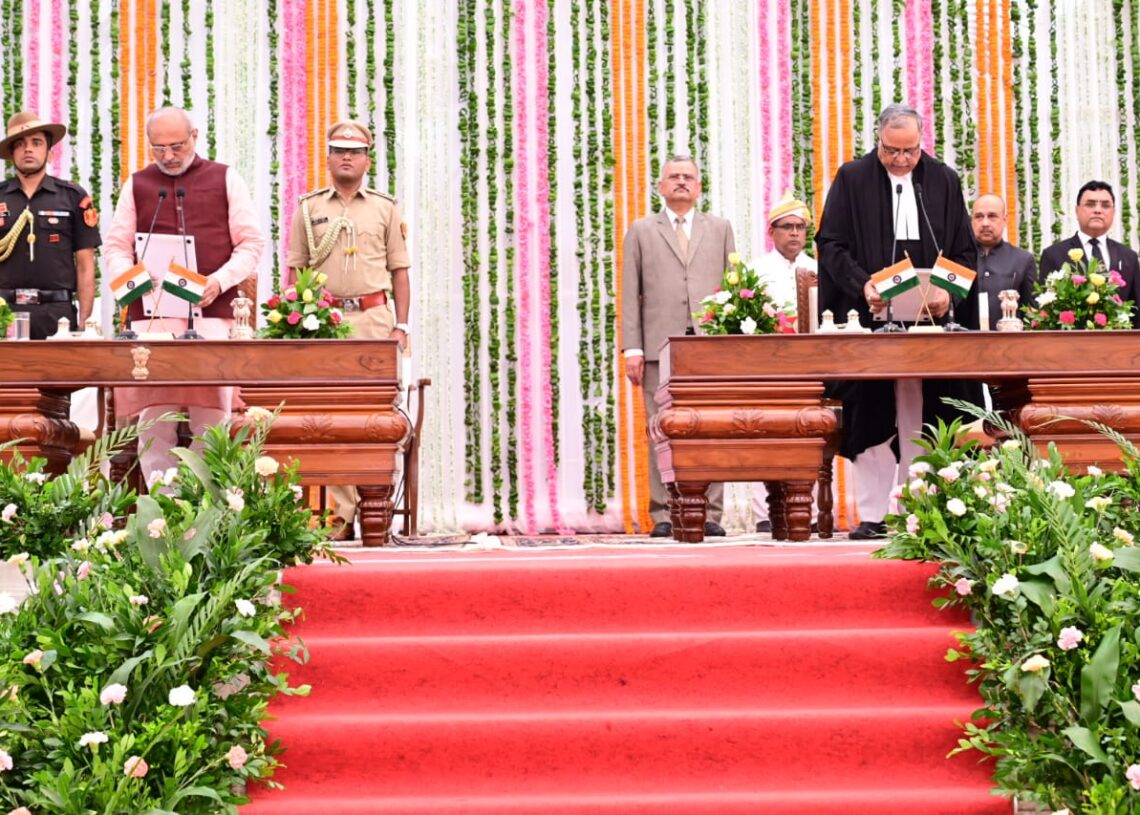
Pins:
<point x="153" y="221"/>
<point x="925" y="217"/>
<point x="180" y="208"/>
<point x="895" y="236"/>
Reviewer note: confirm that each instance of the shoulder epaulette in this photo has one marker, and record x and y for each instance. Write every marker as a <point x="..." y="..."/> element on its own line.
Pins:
<point x="321" y="191"/>
<point x="391" y="198"/>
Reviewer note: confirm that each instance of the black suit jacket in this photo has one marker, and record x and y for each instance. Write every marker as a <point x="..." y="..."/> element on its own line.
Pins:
<point x="1120" y="258"/>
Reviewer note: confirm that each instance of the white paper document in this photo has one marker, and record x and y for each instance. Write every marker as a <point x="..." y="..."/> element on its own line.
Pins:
<point x="161" y="250"/>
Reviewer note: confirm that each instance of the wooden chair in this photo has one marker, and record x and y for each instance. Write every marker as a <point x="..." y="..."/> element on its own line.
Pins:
<point x="806" y="282"/>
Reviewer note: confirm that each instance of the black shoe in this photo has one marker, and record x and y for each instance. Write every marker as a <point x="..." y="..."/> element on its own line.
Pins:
<point x="713" y="530"/>
<point x="663" y="529"/>
<point x="764" y="526"/>
<point x="868" y="530"/>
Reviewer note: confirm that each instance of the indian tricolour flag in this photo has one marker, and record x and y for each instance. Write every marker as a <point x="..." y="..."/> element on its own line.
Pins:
<point x="181" y="282"/>
<point x="894" y="280"/>
<point x="131" y="285"/>
<point x="954" y="277"/>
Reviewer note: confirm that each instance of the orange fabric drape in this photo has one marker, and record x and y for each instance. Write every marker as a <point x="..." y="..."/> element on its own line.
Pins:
<point x="1010" y="119"/>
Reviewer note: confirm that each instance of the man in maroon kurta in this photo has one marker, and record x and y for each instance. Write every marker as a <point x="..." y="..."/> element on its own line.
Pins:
<point x="216" y="207"/>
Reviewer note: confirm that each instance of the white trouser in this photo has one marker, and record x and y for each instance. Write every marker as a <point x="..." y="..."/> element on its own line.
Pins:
<point x="156" y="442"/>
<point x="876" y="471"/>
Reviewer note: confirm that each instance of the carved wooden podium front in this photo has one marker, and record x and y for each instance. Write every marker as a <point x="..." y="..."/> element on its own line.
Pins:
<point x="750" y="408"/>
<point x="339" y="419"/>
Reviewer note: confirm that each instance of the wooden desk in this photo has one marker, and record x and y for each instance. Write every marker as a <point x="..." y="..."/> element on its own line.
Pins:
<point x="740" y="408"/>
<point x="339" y="420"/>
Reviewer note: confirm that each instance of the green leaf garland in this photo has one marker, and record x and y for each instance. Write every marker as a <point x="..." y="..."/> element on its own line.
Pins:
<point x="187" y="65"/>
<point x="211" y="103"/>
<point x="510" y="311"/>
<point x="651" y="104"/>
<point x="552" y="201"/>
<point x="73" y="85"/>
<point x="350" y="56"/>
<point x="605" y="312"/>
<point x="390" y="91"/>
<point x="116" y="102"/>
<point x="494" y="323"/>
<point x="370" y="85"/>
<point x="1055" y="122"/>
<point x="164" y="49"/>
<point x="273" y="131"/>
<point x="857" y="75"/>
<point x="1122" y="106"/>
<point x="1035" y="244"/>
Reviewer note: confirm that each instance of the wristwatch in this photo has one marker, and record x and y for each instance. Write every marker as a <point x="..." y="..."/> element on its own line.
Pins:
<point x="404" y="327"/>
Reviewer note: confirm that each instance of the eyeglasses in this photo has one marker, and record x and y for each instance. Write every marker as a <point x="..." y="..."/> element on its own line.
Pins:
<point x="348" y="151"/>
<point x="790" y="227"/>
<point x="1093" y="203"/>
<point x="163" y="149"/>
<point x="896" y="152"/>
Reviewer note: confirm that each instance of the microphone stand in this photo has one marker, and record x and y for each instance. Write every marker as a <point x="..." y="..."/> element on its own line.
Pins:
<point x="951" y="324"/>
<point x="891" y="327"/>
<point x="189" y="333"/>
<point x="127" y="333"/>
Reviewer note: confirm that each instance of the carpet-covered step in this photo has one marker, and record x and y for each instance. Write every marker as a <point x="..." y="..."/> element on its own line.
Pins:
<point x="953" y="800"/>
<point x="660" y="670"/>
<point x="624" y="752"/>
<point x="717" y="589"/>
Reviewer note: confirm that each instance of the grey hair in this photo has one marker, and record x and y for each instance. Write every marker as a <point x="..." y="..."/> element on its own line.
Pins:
<point x="168" y="111"/>
<point x="893" y="115"/>
<point x="678" y="158"/>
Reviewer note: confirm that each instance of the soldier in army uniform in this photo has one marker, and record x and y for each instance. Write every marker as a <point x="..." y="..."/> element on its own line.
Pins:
<point x="49" y="230"/>
<point x="356" y="236"/>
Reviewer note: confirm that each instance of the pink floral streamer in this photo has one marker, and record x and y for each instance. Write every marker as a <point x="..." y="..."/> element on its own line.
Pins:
<point x="542" y="134"/>
<point x="59" y="86"/>
<point x="926" y="29"/>
<point x="913" y="91"/>
<point x="784" y="84"/>
<point x="32" y="58"/>
<point x="524" y="197"/>
<point x="294" y="129"/>
<point x="767" y="134"/>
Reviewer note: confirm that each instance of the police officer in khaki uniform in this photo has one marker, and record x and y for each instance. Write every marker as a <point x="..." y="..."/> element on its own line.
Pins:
<point x="49" y="230"/>
<point x="356" y="236"/>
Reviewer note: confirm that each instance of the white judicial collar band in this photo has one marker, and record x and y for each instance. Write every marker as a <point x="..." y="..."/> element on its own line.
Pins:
<point x="907" y="228"/>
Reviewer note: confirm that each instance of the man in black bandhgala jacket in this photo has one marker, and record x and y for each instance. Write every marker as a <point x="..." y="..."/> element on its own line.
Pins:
<point x="896" y="199"/>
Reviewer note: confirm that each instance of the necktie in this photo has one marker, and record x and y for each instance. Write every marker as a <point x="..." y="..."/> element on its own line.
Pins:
<point x="1095" y="244"/>
<point x="682" y="238"/>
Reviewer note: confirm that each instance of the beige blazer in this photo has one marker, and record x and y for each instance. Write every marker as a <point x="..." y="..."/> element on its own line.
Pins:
<point x="660" y="291"/>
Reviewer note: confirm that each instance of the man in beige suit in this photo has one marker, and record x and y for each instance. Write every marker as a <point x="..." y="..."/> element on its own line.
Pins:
<point x="671" y="261"/>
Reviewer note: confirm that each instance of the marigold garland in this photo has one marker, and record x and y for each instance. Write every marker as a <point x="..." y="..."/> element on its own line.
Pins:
<point x="118" y="91"/>
<point x="860" y="123"/>
<point x="350" y="56"/>
<point x="1021" y="169"/>
<point x="651" y="107"/>
<point x="1122" y="106"/>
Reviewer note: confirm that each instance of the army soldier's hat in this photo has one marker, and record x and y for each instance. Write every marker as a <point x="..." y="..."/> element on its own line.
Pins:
<point x="25" y="123"/>
<point x="350" y="134"/>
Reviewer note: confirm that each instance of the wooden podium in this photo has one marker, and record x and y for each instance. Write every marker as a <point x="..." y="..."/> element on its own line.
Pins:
<point x="340" y="417"/>
<point x="750" y="408"/>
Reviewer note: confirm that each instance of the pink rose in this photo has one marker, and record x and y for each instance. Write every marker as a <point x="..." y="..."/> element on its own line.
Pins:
<point x="135" y="767"/>
<point x="1133" y="776"/>
<point x="1115" y="278"/>
<point x="273" y="302"/>
<point x="747" y="294"/>
<point x="1100" y="318"/>
<point x="322" y="304"/>
<point x="237" y="757"/>
<point x="293" y="318"/>
<point x="290" y="294"/>
<point x="83" y="570"/>
<point x="707" y="318"/>
<point x="912" y="524"/>
<point x="1067" y="317"/>
<point x="1117" y="299"/>
<point x="1079" y="279"/>
<point x="963" y="587"/>
<point x="1070" y="638"/>
<point x="335" y="317"/>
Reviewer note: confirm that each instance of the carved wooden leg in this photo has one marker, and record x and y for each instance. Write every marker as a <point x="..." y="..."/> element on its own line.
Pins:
<point x="674" y="507"/>
<point x="776" y="510"/>
<point x="375" y="510"/>
<point x="826" y="514"/>
<point x="59" y="439"/>
<point x="797" y="508"/>
<point x="691" y="505"/>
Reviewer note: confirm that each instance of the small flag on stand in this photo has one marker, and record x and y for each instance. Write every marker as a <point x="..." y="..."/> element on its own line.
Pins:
<point x="894" y="280"/>
<point x="131" y="285"/>
<point x="181" y="282"/>
<point x="954" y="277"/>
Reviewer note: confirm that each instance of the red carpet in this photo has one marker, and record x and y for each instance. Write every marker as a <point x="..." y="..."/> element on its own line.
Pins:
<point x="670" y="681"/>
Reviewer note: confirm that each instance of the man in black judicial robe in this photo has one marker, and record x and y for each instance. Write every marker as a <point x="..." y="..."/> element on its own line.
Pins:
<point x="873" y="200"/>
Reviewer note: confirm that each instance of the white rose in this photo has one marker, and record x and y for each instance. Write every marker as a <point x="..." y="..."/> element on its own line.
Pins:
<point x="1006" y="586"/>
<point x="1034" y="664"/>
<point x="8" y="603"/>
<point x="1061" y="490"/>
<point x="311" y="323"/>
<point x="245" y="608"/>
<point x="955" y="506"/>
<point x="949" y="474"/>
<point x="265" y="466"/>
<point x="722" y="297"/>
<point x="1100" y="553"/>
<point x="748" y="325"/>
<point x="235" y="499"/>
<point x="182" y="696"/>
<point x="1046" y="298"/>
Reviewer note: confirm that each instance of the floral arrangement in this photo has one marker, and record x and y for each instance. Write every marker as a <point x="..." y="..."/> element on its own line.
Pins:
<point x="741" y="305"/>
<point x="1045" y="562"/>
<point x="6" y="317"/>
<point x="1079" y="295"/>
<point x="304" y="311"/>
<point x="138" y="669"/>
